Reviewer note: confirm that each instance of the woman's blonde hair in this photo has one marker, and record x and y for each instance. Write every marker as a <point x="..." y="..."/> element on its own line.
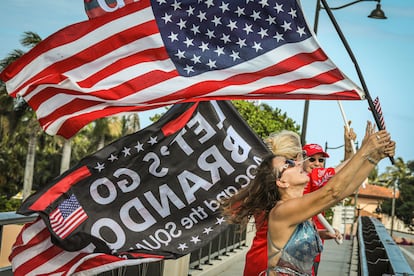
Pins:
<point x="284" y="143"/>
<point x="260" y="196"/>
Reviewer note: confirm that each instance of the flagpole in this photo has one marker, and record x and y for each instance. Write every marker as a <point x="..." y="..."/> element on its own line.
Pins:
<point x="351" y="55"/>
<point x="306" y="106"/>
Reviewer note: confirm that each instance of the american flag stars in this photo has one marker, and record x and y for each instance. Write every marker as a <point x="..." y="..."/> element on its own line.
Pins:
<point x="215" y="34"/>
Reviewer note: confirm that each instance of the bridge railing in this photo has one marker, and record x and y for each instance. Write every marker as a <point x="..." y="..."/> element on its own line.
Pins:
<point x="378" y="253"/>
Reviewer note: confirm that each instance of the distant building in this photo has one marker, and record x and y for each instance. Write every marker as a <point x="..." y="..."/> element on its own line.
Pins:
<point x="370" y="198"/>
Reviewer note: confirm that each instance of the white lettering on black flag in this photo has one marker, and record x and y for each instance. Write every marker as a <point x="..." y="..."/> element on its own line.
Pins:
<point x="156" y="191"/>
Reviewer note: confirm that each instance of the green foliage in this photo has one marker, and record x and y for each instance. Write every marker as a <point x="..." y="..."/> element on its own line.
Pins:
<point x="8" y="205"/>
<point x="329" y="215"/>
<point x="10" y="166"/>
<point x="263" y="119"/>
<point x="373" y="175"/>
<point x="402" y="175"/>
<point x="156" y="117"/>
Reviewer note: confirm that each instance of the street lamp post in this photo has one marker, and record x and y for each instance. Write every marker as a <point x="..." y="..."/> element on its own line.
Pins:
<point x="377" y="13"/>
<point x="394" y="190"/>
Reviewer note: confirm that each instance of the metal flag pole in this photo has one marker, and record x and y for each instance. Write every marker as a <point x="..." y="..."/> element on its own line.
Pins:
<point x="351" y="55"/>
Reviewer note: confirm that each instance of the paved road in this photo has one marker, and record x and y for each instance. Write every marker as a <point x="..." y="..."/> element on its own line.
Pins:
<point x="408" y="250"/>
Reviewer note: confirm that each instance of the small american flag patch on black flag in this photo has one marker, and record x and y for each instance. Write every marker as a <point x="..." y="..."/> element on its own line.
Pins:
<point x="67" y="217"/>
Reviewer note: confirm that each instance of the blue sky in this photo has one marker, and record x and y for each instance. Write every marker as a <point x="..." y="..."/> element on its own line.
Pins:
<point x="383" y="49"/>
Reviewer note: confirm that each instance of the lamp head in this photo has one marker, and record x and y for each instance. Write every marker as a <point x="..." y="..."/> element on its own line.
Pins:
<point x="378" y="13"/>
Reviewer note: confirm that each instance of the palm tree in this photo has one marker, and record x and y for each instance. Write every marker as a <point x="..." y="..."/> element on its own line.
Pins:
<point x="66" y="154"/>
<point x="10" y="109"/>
<point x="18" y="121"/>
<point x="398" y="171"/>
<point x="400" y="177"/>
<point x="106" y="129"/>
<point x="130" y="124"/>
<point x="21" y="112"/>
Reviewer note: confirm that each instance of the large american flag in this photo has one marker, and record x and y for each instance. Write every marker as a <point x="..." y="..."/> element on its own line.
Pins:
<point x="154" y="53"/>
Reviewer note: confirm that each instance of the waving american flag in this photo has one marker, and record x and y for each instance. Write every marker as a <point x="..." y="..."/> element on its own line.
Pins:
<point x="153" y="53"/>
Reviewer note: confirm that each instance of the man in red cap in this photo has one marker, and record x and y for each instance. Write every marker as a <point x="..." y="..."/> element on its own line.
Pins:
<point x="315" y="157"/>
<point x="314" y="164"/>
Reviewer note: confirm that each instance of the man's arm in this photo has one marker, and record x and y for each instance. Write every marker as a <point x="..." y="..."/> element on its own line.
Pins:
<point x="349" y="137"/>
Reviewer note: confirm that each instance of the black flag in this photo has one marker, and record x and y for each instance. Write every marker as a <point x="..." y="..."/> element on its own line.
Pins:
<point x="156" y="191"/>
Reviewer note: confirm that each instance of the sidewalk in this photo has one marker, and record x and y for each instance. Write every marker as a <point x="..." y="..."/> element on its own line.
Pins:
<point x="336" y="259"/>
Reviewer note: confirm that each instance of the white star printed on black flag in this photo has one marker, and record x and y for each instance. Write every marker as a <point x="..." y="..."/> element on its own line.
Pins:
<point x="126" y="151"/>
<point x="152" y="140"/>
<point x="139" y="147"/>
<point x="195" y="240"/>
<point x="182" y="246"/>
<point x="99" y="166"/>
<point x="112" y="158"/>
<point x="207" y="230"/>
<point x="219" y="220"/>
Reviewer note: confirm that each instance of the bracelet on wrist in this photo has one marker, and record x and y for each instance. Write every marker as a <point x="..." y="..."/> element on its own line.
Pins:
<point x="371" y="160"/>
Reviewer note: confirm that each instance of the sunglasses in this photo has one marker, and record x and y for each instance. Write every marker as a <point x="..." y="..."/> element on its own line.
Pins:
<point x="320" y="160"/>
<point x="289" y="163"/>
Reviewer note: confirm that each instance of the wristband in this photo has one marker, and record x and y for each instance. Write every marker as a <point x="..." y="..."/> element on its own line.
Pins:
<point x="372" y="161"/>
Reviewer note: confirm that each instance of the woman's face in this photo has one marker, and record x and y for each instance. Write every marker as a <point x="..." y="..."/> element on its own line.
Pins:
<point x="290" y="171"/>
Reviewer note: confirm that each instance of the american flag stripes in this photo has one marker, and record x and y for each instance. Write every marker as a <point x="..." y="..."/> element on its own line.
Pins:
<point x="378" y="109"/>
<point x="67" y="216"/>
<point x="154" y="53"/>
<point x="33" y="253"/>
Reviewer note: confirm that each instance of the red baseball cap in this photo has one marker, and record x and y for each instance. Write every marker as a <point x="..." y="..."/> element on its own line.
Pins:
<point x="312" y="149"/>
